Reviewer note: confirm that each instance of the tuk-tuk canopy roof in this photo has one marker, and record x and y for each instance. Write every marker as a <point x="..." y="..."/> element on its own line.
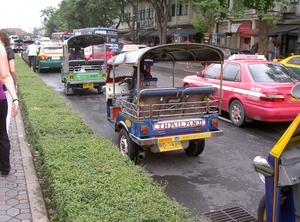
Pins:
<point x="177" y="52"/>
<point x="18" y="41"/>
<point x="28" y="41"/>
<point x="84" y="41"/>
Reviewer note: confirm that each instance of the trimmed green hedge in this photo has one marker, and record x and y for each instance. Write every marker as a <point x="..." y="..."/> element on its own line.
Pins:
<point x="88" y="178"/>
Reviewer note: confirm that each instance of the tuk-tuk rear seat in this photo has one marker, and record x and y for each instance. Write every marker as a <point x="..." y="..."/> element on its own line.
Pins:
<point x="175" y="101"/>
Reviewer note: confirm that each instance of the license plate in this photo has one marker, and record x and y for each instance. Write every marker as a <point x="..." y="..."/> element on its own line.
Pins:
<point x="168" y="146"/>
<point x="195" y="136"/>
<point x="55" y="57"/>
<point x="87" y="85"/>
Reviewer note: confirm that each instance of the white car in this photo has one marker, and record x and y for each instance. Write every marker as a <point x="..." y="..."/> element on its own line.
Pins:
<point x="45" y="41"/>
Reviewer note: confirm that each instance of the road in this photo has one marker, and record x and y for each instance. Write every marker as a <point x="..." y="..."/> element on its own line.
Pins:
<point x="221" y="176"/>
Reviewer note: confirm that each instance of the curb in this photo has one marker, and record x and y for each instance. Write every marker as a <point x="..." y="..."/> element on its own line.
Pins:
<point x="35" y="196"/>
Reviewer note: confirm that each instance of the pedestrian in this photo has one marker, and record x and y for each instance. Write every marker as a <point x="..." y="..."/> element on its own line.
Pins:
<point x="253" y="50"/>
<point x="6" y="79"/>
<point x="273" y="51"/>
<point x="11" y="61"/>
<point x="76" y="54"/>
<point x="278" y="52"/>
<point x="188" y="64"/>
<point x="32" y="51"/>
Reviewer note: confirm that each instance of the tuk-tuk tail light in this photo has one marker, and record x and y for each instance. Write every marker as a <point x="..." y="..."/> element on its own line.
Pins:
<point x="144" y="129"/>
<point x="71" y="76"/>
<point x="214" y="122"/>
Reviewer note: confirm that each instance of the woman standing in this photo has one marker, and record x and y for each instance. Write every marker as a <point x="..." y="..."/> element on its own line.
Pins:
<point x="11" y="62"/>
<point x="9" y="83"/>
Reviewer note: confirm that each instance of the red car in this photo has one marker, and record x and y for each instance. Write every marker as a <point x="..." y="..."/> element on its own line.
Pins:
<point x="98" y="52"/>
<point x="253" y="89"/>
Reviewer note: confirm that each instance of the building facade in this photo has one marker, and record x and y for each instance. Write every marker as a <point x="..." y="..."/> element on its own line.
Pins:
<point x="240" y="33"/>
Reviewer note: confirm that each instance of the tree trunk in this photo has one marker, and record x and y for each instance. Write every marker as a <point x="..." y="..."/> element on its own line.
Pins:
<point x="263" y="39"/>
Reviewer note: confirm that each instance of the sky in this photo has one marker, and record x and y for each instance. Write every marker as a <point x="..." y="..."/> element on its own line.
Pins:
<point x="24" y="14"/>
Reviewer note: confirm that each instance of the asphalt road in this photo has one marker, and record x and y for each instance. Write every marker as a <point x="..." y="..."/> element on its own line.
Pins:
<point x="221" y="176"/>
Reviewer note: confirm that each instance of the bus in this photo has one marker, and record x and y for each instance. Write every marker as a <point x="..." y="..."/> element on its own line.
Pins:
<point x="110" y="35"/>
<point x="61" y="36"/>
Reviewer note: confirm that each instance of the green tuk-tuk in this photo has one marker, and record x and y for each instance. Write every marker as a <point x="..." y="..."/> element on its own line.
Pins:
<point x="84" y="63"/>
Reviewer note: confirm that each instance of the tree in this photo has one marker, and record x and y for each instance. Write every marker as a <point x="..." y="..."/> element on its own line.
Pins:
<point x="162" y="12"/>
<point x="203" y="18"/>
<point x="80" y="14"/>
<point x="265" y="19"/>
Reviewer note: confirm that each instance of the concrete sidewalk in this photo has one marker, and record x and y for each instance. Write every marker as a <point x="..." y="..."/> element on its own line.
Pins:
<point x="21" y="198"/>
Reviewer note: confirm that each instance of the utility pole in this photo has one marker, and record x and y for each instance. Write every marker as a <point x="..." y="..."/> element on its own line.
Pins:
<point x="137" y="23"/>
<point x="298" y="43"/>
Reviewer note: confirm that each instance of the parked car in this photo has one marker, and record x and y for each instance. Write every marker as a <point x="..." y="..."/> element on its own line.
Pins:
<point x="49" y="57"/>
<point x="253" y="89"/>
<point x="293" y="62"/>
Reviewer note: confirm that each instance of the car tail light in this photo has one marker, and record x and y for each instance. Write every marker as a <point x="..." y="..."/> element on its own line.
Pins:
<point x="43" y="57"/>
<point x="272" y="97"/>
<point x="71" y="76"/>
<point x="214" y="122"/>
<point x="104" y="75"/>
<point x="144" y="129"/>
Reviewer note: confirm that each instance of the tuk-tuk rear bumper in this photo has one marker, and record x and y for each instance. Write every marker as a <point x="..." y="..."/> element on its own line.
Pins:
<point x="84" y="82"/>
<point x="179" y="137"/>
<point x="174" y="142"/>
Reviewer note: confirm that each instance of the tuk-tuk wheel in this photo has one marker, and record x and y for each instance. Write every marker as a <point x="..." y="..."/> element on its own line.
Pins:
<point x="195" y="148"/>
<point x="127" y="146"/>
<point x="100" y="90"/>
<point x="261" y="212"/>
<point x="68" y="89"/>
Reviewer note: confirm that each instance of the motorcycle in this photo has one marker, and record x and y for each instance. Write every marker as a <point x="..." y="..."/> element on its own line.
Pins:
<point x="280" y="172"/>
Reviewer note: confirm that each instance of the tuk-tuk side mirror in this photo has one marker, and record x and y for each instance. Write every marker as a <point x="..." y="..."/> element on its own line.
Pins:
<point x="261" y="165"/>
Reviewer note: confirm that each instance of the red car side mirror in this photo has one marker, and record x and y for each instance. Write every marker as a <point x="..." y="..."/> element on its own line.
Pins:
<point x="200" y="74"/>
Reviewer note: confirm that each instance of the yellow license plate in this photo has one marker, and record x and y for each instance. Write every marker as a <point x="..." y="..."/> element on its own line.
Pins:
<point x="195" y="136"/>
<point x="168" y="146"/>
<point x="87" y="85"/>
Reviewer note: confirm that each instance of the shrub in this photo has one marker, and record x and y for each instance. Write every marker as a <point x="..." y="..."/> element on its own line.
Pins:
<point x="87" y="177"/>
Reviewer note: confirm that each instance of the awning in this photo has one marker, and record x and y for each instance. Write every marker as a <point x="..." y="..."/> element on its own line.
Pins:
<point x="219" y="35"/>
<point x="249" y="33"/>
<point x="191" y="31"/>
<point x="240" y="27"/>
<point x="145" y="32"/>
<point x="282" y="29"/>
<point x="171" y="31"/>
<point x="294" y="32"/>
<point x="154" y="33"/>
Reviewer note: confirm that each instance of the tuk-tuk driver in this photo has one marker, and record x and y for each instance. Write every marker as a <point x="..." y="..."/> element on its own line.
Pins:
<point x="76" y="54"/>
